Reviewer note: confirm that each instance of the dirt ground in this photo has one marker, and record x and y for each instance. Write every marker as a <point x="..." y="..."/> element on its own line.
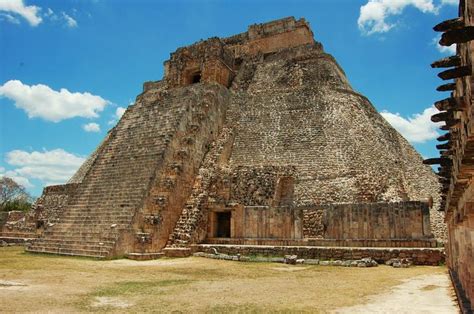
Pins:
<point x="44" y="283"/>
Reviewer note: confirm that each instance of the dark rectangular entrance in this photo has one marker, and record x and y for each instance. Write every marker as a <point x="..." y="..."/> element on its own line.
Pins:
<point x="223" y="225"/>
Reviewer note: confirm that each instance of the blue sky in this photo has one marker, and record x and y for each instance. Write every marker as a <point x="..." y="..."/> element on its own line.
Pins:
<point x="69" y="68"/>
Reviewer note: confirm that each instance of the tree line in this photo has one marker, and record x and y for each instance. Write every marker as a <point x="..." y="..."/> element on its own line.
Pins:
<point x="13" y="196"/>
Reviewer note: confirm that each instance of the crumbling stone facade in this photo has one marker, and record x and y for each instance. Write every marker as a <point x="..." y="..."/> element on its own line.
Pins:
<point x="456" y="150"/>
<point x="254" y="137"/>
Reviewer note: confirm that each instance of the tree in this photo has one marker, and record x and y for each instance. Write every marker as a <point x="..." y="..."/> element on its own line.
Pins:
<point x="13" y="196"/>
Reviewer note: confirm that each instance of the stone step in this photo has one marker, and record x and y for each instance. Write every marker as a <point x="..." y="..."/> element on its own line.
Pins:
<point x="84" y="253"/>
<point x="73" y="238"/>
<point x="61" y="246"/>
<point x="106" y="243"/>
<point x="83" y="236"/>
<point x="128" y="212"/>
<point x="18" y="234"/>
<point x="144" y="256"/>
<point x="88" y="225"/>
<point x="73" y="212"/>
<point x="109" y="221"/>
<point x="85" y="231"/>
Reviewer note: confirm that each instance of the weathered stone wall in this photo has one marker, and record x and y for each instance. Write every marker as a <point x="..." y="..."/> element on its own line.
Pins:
<point x="270" y="37"/>
<point x="313" y="226"/>
<point x="44" y="213"/>
<point x="389" y="221"/>
<point x="50" y="206"/>
<point x="3" y="218"/>
<point x="14" y="223"/>
<point x="252" y="186"/>
<point x="210" y="61"/>
<point x="295" y="107"/>
<point x="346" y="223"/>
<point x="266" y="222"/>
<point x="456" y="151"/>
<point x="419" y="256"/>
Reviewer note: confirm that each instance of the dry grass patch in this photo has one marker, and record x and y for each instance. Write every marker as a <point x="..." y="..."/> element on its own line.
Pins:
<point x="65" y="284"/>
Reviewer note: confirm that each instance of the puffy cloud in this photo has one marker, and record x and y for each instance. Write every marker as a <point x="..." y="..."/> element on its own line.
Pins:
<point x="450" y="50"/>
<point x="43" y="102"/>
<point x="91" y="127"/>
<point x="119" y="112"/>
<point x="70" y="22"/>
<point x="374" y="14"/>
<point x="51" y="167"/>
<point x="32" y="14"/>
<point x="416" y="129"/>
<point x="29" y="13"/>
<point x="17" y="178"/>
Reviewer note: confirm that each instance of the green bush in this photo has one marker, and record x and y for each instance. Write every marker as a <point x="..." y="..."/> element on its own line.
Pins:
<point x="20" y="205"/>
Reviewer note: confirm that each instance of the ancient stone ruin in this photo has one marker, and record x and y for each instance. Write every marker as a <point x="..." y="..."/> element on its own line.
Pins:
<point x="457" y="150"/>
<point x="251" y="140"/>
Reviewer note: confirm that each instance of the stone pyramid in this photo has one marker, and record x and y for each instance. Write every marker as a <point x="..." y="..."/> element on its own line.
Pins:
<point x="254" y="136"/>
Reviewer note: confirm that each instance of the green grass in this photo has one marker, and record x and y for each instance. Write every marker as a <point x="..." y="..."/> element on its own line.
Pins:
<point x="138" y="287"/>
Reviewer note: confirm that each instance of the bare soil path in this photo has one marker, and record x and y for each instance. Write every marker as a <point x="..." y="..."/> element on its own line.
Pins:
<point x="421" y="294"/>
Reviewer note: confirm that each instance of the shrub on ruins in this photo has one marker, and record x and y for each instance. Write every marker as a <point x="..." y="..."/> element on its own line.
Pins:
<point x="13" y="196"/>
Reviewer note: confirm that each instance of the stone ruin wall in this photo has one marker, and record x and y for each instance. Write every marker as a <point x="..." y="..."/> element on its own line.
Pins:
<point x="457" y="149"/>
<point x="49" y="207"/>
<point x="381" y="221"/>
<point x="44" y="213"/>
<point x="427" y="256"/>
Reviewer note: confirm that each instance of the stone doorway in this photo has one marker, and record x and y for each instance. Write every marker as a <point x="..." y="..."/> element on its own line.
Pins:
<point x="223" y="225"/>
<point x="196" y="77"/>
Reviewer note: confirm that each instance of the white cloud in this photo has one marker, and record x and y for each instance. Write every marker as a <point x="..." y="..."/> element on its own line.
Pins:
<point x="43" y="102"/>
<point x="62" y="17"/>
<point x="91" y="127"/>
<point x="17" y="178"/>
<point x="416" y="129"/>
<point x="54" y="166"/>
<point x="450" y="50"/>
<point x="118" y="114"/>
<point x="374" y="14"/>
<point x="70" y="22"/>
<point x="30" y="12"/>
<point x="450" y="2"/>
<point x="9" y="18"/>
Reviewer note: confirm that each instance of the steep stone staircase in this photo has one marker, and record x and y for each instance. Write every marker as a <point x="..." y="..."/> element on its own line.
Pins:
<point x="101" y="213"/>
<point x="174" y="182"/>
<point x="194" y="214"/>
